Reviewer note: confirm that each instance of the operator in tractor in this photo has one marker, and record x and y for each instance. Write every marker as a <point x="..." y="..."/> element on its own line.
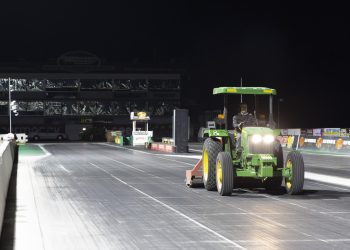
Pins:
<point x="243" y="118"/>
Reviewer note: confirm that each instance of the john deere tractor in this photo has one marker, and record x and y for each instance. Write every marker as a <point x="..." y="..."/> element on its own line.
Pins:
<point x="258" y="155"/>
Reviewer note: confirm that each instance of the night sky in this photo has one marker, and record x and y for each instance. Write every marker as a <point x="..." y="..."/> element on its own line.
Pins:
<point x="302" y="50"/>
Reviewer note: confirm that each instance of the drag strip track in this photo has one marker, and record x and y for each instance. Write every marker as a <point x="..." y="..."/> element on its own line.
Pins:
<point x="100" y="196"/>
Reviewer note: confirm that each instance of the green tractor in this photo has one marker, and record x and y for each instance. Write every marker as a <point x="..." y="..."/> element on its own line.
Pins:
<point x="257" y="156"/>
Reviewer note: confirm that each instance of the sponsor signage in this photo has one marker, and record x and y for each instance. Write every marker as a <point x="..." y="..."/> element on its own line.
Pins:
<point x="139" y="116"/>
<point x="331" y="132"/>
<point x="284" y="131"/>
<point x="140" y="133"/>
<point x="317" y="132"/>
<point x="344" y="132"/>
<point x="309" y="132"/>
<point x="321" y="143"/>
<point x="294" y="131"/>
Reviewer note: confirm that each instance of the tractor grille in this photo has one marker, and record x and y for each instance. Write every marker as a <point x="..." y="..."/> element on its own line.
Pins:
<point x="260" y="148"/>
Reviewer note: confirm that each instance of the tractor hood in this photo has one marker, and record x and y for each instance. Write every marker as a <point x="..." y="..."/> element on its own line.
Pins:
<point x="258" y="140"/>
<point x="257" y="130"/>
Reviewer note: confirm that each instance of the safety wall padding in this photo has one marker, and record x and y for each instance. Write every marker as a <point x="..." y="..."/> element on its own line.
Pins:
<point x="7" y="155"/>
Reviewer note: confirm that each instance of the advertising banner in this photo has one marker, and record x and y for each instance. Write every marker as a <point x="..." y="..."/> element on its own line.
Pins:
<point x="325" y="144"/>
<point x="331" y="132"/>
<point x="317" y="139"/>
<point x="284" y="132"/>
<point x="317" y="132"/>
<point x="309" y="132"/>
<point x="344" y="132"/>
<point x="294" y="131"/>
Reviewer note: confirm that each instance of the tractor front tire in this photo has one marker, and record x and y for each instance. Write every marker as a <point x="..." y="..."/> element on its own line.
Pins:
<point x="275" y="183"/>
<point x="211" y="149"/>
<point x="224" y="174"/>
<point x="294" y="184"/>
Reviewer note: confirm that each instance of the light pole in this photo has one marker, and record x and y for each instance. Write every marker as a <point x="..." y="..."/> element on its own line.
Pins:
<point x="278" y="111"/>
<point x="12" y="107"/>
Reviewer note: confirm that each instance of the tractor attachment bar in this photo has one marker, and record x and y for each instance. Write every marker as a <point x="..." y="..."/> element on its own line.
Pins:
<point x="194" y="177"/>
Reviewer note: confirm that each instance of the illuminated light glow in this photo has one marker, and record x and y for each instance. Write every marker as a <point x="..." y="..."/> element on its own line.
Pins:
<point x="221" y="116"/>
<point x="268" y="139"/>
<point x="256" y="139"/>
<point x="268" y="91"/>
<point x="84" y="129"/>
<point x="231" y="90"/>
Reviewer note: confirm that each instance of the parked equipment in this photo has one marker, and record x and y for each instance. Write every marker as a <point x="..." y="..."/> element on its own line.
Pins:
<point x="140" y="137"/>
<point x="257" y="154"/>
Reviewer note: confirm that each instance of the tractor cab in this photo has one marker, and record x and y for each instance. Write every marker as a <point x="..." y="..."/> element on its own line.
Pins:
<point x="257" y="136"/>
<point x="256" y="100"/>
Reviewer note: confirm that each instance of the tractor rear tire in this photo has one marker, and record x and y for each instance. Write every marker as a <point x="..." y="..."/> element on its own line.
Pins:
<point x="224" y="174"/>
<point x="295" y="162"/>
<point x="275" y="183"/>
<point x="211" y="149"/>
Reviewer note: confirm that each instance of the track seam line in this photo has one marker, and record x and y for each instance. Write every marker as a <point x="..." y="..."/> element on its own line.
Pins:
<point x="142" y="152"/>
<point x="47" y="153"/>
<point x="63" y="168"/>
<point x="172" y="209"/>
<point x="127" y="165"/>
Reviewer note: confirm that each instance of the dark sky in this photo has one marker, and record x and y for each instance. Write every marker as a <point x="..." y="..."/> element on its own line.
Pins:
<point x="302" y="50"/>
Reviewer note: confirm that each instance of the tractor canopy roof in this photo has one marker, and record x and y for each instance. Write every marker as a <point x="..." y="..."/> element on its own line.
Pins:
<point x="244" y="91"/>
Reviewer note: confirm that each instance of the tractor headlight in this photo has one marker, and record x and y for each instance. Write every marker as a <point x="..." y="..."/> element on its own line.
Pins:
<point x="256" y="139"/>
<point x="268" y="139"/>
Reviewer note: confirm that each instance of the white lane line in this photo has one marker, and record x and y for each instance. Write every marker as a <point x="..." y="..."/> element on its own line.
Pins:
<point x="115" y="146"/>
<point x="328" y="179"/>
<point x="63" y="168"/>
<point x="172" y="209"/>
<point x="318" y="154"/>
<point x="196" y="150"/>
<point x="126" y="165"/>
<point x="142" y="152"/>
<point x="197" y="157"/>
<point x="281" y="240"/>
<point x="320" y="166"/>
<point x="340" y="212"/>
<point x="325" y="185"/>
<point x="47" y="153"/>
<point x="337" y="240"/>
<point x="182" y="162"/>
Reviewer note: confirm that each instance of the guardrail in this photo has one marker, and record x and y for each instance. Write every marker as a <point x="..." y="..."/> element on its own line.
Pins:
<point x="21" y="138"/>
<point x="7" y="156"/>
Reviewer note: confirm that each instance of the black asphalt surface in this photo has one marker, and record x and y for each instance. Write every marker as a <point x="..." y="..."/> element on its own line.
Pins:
<point x="101" y="196"/>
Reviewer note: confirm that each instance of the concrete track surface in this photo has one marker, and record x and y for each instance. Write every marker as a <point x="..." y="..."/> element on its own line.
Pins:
<point x="100" y="196"/>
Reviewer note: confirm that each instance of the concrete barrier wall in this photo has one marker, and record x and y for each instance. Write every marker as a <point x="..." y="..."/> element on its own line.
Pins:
<point x="7" y="155"/>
